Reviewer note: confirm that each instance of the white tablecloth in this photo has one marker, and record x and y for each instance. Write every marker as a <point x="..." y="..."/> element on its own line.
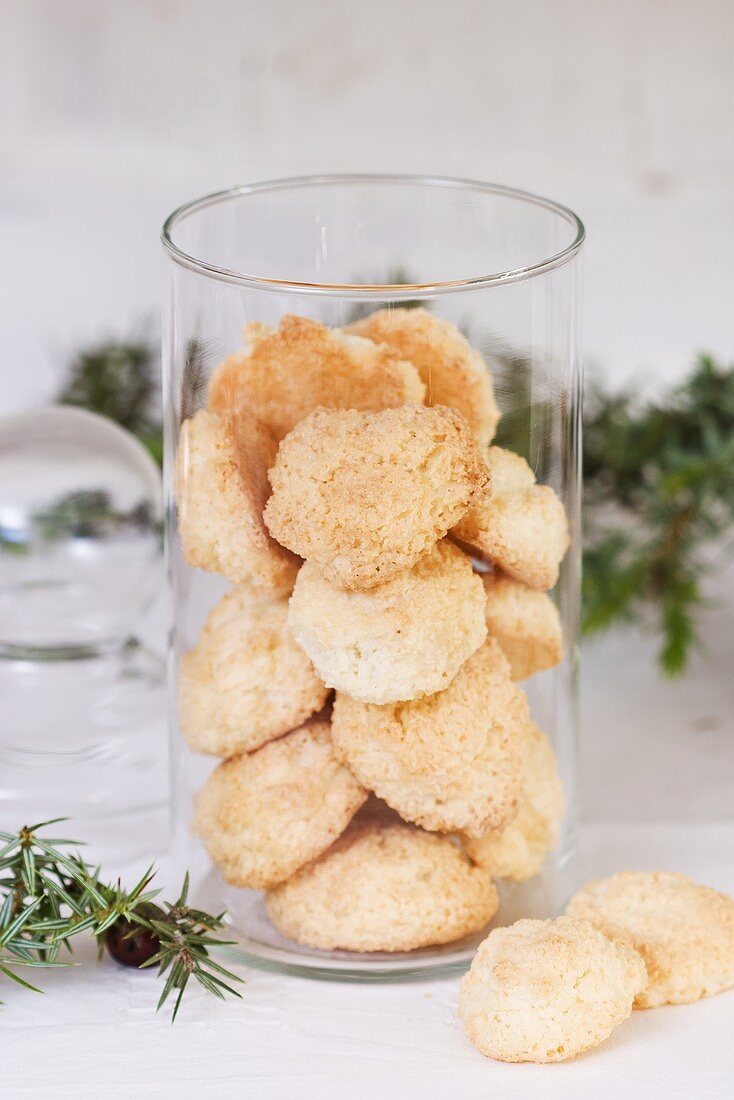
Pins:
<point x="95" y="1034"/>
<point x="658" y="793"/>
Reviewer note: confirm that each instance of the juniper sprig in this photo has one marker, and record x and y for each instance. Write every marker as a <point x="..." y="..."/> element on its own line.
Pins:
<point x="49" y="895"/>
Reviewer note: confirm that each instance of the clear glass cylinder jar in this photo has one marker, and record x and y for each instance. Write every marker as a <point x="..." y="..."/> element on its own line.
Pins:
<point x="395" y="360"/>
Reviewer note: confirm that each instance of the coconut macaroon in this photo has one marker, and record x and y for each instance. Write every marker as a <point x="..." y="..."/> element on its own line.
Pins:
<point x="453" y="372"/>
<point x="526" y="624"/>
<point x="364" y="495"/>
<point x="246" y="681"/>
<point x="285" y="373"/>
<point x="407" y="638"/>
<point x="384" y="886"/>
<point x="451" y="761"/>
<point x="263" y="815"/>
<point x="221" y="490"/>
<point x="516" y="524"/>
<point x="518" y="850"/>
<point x="545" y="991"/>
<point x="683" y="931"/>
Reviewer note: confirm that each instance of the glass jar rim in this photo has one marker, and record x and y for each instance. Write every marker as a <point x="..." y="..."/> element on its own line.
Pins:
<point x="367" y="290"/>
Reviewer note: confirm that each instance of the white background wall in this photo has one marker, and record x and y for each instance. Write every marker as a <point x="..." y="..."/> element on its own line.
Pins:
<point x="113" y="111"/>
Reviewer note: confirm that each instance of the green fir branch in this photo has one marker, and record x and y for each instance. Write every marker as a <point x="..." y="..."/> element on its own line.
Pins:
<point x="120" y="380"/>
<point x="658" y="497"/>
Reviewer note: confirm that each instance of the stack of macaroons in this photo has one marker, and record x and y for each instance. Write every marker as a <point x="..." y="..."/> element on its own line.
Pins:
<point x="379" y="547"/>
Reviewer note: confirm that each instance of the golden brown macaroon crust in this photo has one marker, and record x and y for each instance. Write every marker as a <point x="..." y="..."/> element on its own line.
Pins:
<point x="384" y="886"/>
<point x="221" y="490"/>
<point x="526" y="624"/>
<point x="515" y="524"/>
<point x="286" y="373"/>
<point x="683" y="931"/>
<point x="452" y="761"/>
<point x="519" y="849"/>
<point x="404" y="639"/>
<point x="264" y="814"/>
<point x="246" y="681"/>
<point x="545" y="991"/>
<point x="453" y="372"/>
<point x="365" y="495"/>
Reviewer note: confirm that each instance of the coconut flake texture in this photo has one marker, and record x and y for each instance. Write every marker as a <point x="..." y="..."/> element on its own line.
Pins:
<point x="453" y="372"/>
<point x="405" y="639"/>
<point x="384" y="886"/>
<point x="518" y="850"/>
<point x="451" y="761"/>
<point x="264" y="814"/>
<point x="526" y="624"/>
<point x="246" y="681"/>
<point x="221" y="490"/>
<point x="365" y="495"/>
<point x="545" y="991"/>
<point x="684" y="932"/>
<point x="516" y="524"/>
<point x="284" y="374"/>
